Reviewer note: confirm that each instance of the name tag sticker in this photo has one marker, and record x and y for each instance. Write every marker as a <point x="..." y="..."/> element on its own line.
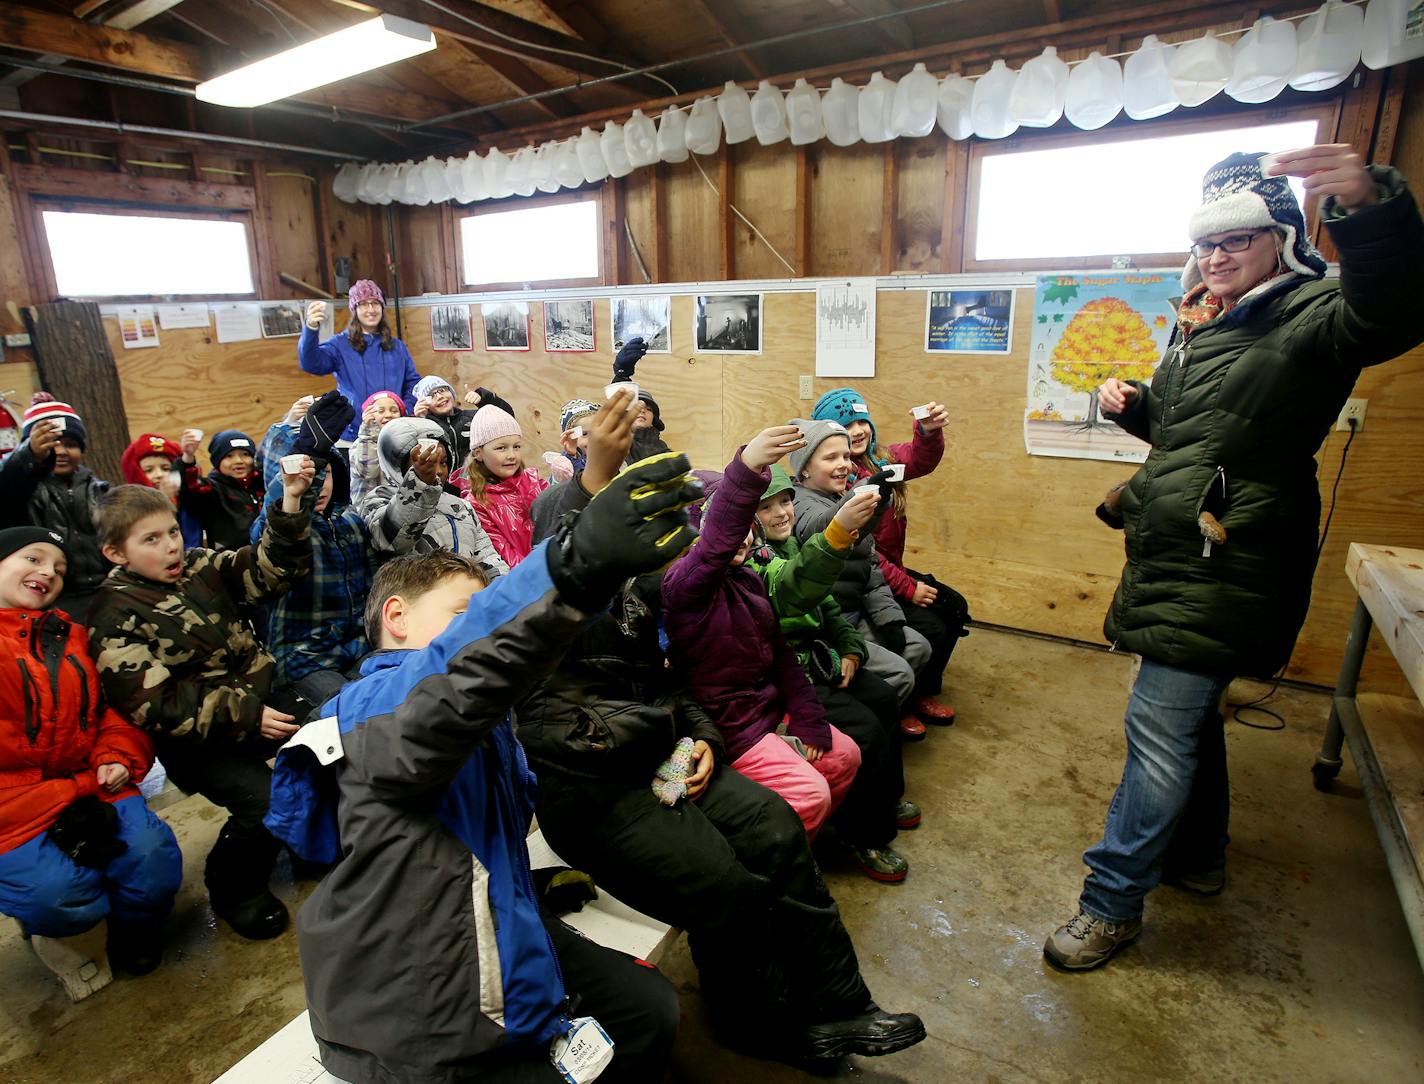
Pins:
<point x="583" y="1052"/>
<point x="860" y="408"/>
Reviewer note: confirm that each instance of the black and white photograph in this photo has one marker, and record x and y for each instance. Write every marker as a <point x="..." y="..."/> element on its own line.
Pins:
<point x="282" y="321"/>
<point x="568" y="327"/>
<point x="450" y="328"/>
<point x="650" y="317"/>
<point x="727" y="324"/>
<point x="506" y="325"/>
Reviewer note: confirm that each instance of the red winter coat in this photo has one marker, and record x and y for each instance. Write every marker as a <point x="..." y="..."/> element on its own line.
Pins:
<point x="504" y="513"/>
<point x="921" y="455"/>
<point x="54" y="729"/>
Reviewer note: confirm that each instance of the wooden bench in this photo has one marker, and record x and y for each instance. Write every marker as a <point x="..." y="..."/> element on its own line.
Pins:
<point x="290" y="1056"/>
<point x="1386" y="733"/>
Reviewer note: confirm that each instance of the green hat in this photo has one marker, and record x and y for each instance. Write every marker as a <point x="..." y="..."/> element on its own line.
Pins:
<point x="780" y="482"/>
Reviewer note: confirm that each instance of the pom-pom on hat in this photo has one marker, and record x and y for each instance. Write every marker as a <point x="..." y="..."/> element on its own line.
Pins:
<point x="815" y="432"/>
<point x="131" y="462"/>
<point x="227" y="442"/>
<point x="1237" y="195"/>
<point x="364" y="290"/>
<point x="427" y="386"/>
<point x="44" y="407"/>
<point x="17" y="538"/>
<point x="844" y="405"/>
<point x="491" y="423"/>
<point x="575" y="408"/>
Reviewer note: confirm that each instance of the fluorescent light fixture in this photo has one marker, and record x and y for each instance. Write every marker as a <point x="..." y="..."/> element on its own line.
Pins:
<point x="357" y="49"/>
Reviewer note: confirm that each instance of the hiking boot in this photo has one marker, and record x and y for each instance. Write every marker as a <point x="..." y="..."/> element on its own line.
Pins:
<point x="1087" y="942"/>
<point x="880" y="863"/>
<point x="1202" y="883"/>
<point x="871" y="1035"/>
<point x="911" y="729"/>
<point x="932" y="711"/>
<point x="259" y="918"/>
<point x="907" y="814"/>
<point x="78" y="962"/>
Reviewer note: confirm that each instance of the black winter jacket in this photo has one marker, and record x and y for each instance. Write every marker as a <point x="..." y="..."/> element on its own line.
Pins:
<point x="70" y="507"/>
<point x="224" y="506"/>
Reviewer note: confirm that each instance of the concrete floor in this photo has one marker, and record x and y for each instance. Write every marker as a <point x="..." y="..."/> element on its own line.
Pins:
<point x="1302" y="971"/>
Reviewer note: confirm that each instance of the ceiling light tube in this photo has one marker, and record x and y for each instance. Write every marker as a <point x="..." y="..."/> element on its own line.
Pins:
<point x="357" y="49"/>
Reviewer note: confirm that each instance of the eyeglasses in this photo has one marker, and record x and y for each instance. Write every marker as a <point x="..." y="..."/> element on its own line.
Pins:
<point x="378" y="305"/>
<point x="1237" y="242"/>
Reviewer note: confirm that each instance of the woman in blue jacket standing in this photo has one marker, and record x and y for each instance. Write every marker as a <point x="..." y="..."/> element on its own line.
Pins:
<point x="366" y="358"/>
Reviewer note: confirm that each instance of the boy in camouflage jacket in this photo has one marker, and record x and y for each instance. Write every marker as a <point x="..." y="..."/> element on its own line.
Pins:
<point x="177" y="655"/>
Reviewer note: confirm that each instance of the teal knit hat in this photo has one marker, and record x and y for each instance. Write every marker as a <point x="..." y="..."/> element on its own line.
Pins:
<point x="844" y="405"/>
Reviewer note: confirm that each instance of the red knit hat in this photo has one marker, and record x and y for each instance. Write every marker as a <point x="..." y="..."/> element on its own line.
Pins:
<point x="364" y="290"/>
<point x="45" y="407"/>
<point x="146" y="445"/>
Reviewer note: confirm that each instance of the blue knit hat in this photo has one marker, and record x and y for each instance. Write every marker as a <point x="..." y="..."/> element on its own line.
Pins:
<point x="846" y="405"/>
<point x="427" y="386"/>
<point x="1237" y="195"/>
<point x="228" y="441"/>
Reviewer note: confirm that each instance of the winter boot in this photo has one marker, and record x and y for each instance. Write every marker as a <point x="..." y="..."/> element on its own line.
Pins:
<point x="238" y="870"/>
<point x="79" y="962"/>
<point x="136" y="947"/>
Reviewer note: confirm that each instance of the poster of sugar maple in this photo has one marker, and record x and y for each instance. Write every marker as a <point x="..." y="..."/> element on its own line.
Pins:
<point x="1085" y="329"/>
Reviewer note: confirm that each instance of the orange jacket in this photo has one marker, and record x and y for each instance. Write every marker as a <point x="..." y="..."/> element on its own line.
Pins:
<point x="54" y="729"/>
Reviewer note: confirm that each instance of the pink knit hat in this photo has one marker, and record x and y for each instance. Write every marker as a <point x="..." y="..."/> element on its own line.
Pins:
<point x="491" y="423"/>
<point x="364" y="290"/>
<point x="400" y="404"/>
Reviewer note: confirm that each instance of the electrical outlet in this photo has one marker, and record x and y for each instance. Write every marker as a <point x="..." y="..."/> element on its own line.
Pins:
<point x="1353" y="408"/>
<point x="805" y="390"/>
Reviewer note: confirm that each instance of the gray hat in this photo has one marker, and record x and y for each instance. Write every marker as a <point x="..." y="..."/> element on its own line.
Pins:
<point x="815" y="432"/>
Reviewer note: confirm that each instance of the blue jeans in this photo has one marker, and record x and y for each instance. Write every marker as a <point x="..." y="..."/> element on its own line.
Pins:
<point x="51" y="896"/>
<point x="1171" y="808"/>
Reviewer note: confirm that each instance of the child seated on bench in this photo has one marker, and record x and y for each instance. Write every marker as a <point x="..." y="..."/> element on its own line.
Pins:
<point x="424" y="951"/>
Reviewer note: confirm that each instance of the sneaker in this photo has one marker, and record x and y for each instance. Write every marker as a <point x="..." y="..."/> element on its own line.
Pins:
<point x="1202" y="883"/>
<point x="871" y="1035"/>
<point x="911" y="729"/>
<point x="880" y="863"/>
<point x="1087" y="942"/>
<point x="907" y="814"/>
<point x="933" y="712"/>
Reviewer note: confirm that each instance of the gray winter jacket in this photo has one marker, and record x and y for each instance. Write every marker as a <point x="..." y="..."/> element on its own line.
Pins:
<point x="405" y="515"/>
<point x="861" y="591"/>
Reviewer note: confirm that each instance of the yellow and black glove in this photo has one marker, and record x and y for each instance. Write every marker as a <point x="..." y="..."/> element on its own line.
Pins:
<point x="635" y="524"/>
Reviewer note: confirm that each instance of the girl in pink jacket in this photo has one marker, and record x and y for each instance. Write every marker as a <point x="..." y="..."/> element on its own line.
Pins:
<point x="498" y="486"/>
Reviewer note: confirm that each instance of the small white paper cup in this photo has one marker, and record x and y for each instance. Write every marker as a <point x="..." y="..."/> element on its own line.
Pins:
<point x="868" y="487"/>
<point x="576" y="432"/>
<point x="426" y="444"/>
<point x="897" y="472"/>
<point x="920" y="413"/>
<point x="292" y="464"/>
<point x="611" y="390"/>
<point x="198" y="435"/>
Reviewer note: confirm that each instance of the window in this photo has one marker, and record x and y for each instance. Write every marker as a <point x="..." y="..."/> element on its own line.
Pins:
<point x="549" y="242"/>
<point x="121" y="254"/>
<point x="1068" y="201"/>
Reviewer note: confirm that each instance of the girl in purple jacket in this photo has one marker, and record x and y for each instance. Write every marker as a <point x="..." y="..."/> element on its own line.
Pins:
<point x="725" y="636"/>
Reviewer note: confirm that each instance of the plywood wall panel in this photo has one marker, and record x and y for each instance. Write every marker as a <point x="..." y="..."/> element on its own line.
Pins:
<point x="766" y="194"/>
<point x="919" y="222"/>
<point x="691" y="224"/>
<point x="294" y="233"/>
<point x="846" y="197"/>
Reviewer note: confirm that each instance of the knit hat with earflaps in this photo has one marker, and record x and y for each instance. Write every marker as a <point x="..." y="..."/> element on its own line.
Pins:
<point x="44" y="407"/>
<point x="844" y="405"/>
<point x="815" y="432"/>
<point x="130" y="463"/>
<point x="364" y="290"/>
<point x="427" y="386"/>
<point x="1237" y="195"/>
<point x="491" y="423"/>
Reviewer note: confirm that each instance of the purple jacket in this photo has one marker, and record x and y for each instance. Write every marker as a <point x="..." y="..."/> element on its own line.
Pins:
<point x="724" y="635"/>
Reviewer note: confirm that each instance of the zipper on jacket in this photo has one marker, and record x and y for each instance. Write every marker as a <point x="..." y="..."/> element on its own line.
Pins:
<point x="1220" y="474"/>
<point x="83" y="692"/>
<point x="32" y="723"/>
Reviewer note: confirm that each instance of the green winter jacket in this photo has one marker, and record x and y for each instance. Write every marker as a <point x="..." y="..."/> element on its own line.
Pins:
<point x="1235" y="416"/>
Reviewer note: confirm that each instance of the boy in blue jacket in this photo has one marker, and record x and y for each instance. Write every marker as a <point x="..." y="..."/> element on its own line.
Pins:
<point x="424" y="951"/>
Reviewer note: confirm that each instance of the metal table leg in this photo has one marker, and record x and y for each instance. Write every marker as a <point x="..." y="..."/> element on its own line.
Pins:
<point x="1328" y="761"/>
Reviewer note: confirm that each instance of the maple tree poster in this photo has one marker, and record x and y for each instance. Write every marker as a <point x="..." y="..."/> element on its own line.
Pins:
<point x="1087" y="328"/>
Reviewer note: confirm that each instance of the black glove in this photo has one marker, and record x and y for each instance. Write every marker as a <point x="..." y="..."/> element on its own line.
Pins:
<point x="647" y="442"/>
<point x="628" y="358"/>
<point x="489" y="398"/>
<point x="88" y="831"/>
<point x="891" y="635"/>
<point x="322" y="427"/>
<point x="881" y="479"/>
<point x="635" y="524"/>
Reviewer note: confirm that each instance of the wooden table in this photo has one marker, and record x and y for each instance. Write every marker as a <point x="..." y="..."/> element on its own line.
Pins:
<point x="1386" y="733"/>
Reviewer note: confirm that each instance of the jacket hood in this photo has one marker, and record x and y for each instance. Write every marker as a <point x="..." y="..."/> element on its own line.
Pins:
<point x="398" y="440"/>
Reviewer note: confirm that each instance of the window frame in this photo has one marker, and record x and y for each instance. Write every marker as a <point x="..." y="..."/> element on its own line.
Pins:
<point x="594" y="196"/>
<point x="1325" y="114"/>
<point x="42" y="203"/>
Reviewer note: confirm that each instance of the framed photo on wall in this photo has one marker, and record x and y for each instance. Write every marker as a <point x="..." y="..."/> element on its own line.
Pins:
<point x="568" y="327"/>
<point x="727" y="324"/>
<point x="650" y="317"/>
<point x="969" y="321"/>
<point x="506" y="325"/>
<point x="450" y="328"/>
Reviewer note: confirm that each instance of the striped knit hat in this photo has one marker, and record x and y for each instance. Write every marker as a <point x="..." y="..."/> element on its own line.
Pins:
<point x="45" y="407"/>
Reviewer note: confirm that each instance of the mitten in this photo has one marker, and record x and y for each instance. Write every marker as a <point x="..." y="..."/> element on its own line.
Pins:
<point x="87" y="830"/>
<point x="891" y="635"/>
<point x="489" y="398"/>
<point x="322" y="427"/>
<point x="670" y="780"/>
<point x="1110" y="511"/>
<point x="628" y="358"/>
<point x="635" y="524"/>
<point x="561" y="469"/>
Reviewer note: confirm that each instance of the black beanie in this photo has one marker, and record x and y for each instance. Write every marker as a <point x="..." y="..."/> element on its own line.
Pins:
<point x="653" y="406"/>
<point x="17" y="538"/>
<point x="228" y="441"/>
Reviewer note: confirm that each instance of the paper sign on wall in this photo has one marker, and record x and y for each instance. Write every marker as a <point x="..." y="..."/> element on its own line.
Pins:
<point x="238" y="322"/>
<point x="845" y="328"/>
<point x="138" y="327"/>
<point x="171" y="317"/>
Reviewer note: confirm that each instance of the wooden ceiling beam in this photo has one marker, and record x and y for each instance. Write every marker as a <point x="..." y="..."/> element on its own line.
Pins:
<point x="729" y="34"/>
<point x="895" y="33"/>
<point x="1052" y="11"/>
<point x="521" y="78"/>
<point x="32" y="30"/>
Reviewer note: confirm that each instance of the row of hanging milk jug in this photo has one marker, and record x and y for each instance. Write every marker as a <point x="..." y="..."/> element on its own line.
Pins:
<point x="1153" y="81"/>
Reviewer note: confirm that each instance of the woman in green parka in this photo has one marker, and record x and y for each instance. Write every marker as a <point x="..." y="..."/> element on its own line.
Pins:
<point x="1221" y="521"/>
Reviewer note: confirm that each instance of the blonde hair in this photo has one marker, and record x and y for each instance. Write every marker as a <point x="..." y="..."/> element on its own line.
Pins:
<point x="478" y="476"/>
